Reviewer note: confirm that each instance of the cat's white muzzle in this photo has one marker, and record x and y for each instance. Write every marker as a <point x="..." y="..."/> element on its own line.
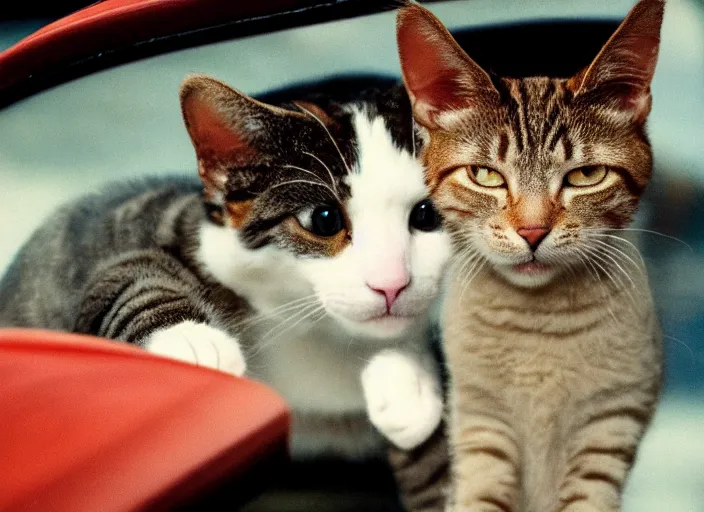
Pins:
<point x="368" y="316"/>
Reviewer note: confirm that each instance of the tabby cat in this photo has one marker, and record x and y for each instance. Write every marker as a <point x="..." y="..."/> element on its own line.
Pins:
<point x="552" y="344"/>
<point x="308" y="244"/>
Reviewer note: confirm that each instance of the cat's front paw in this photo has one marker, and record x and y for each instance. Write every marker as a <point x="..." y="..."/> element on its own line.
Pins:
<point x="199" y="344"/>
<point x="403" y="399"/>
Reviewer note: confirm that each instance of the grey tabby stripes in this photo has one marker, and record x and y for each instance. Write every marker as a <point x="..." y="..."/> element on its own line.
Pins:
<point x="119" y="264"/>
<point x="423" y="474"/>
<point x="137" y="293"/>
<point x="359" y="435"/>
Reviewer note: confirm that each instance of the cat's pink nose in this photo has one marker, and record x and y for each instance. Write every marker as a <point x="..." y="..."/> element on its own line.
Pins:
<point x="533" y="234"/>
<point x="391" y="289"/>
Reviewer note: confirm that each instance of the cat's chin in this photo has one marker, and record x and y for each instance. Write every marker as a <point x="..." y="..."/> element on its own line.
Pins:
<point x="528" y="275"/>
<point x="379" y="328"/>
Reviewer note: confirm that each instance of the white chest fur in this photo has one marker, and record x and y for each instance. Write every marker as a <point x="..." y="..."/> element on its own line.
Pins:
<point x="317" y="368"/>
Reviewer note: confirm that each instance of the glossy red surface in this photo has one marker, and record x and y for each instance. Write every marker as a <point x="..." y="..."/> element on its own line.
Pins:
<point x="88" y="424"/>
<point x="113" y="24"/>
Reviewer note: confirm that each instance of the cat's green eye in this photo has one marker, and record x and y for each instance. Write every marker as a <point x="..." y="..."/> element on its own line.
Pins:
<point x="485" y="176"/>
<point x="586" y="176"/>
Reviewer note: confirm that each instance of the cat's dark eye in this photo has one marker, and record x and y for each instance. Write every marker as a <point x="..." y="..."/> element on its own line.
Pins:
<point x="326" y="221"/>
<point x="586" y="176"/>
<point x="424" y="216"/>
<point x="486" y="176"/>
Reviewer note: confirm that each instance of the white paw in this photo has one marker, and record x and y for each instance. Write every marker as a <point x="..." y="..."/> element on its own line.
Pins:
<point x="198" y="344"/>
<point x="403" y="399"/>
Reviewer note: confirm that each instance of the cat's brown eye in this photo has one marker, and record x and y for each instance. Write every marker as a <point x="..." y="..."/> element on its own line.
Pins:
<point x="485" y="176"/>
<point x="586" y="176"/>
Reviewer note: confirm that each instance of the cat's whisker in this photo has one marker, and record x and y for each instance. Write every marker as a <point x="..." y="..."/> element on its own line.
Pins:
<point x="616" y="251"/>
<point x="413" y="134"/>
<point x="302" y="318"/>
<point x="305" y="181"/>
<point x="583" y="264"/>
<point x="582" y="255"/>
<point x="468" y="268"/>
<point x="295" y="301"/>
<point x="605" y="254"/>
<point x="592" y="236"/>
<point x="590" y="254"/>
<point x="278" y="310"/>
<point x="349" y="344"/>
<point x="592" y="271"/>
<point x="570" y="265"/>
<point x="606" y="266"/>
<point x="291" y="315"/>
<point x="315" y="298"/>
<point x="584" y="260"/>
<point x="323" y="314"/>
<point x="641" y="230"/>
<point x="616" y="257"/>
<point x="308" y="171"/>
<point x="250" y="324"/>
<point x="691" y="352"/>
<point x="344" y="162"/>
<point x="620" y="284"/>
<point x="466" y="257"/>
<point x="472" y="273"/>
<point x="472" y="258"/>
<point x="332" y="178"/>
<point x="614" y="320"/>
<point x="268" y="338"/>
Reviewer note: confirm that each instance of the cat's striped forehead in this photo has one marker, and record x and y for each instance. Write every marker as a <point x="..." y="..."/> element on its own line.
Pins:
<point x="539" y="130"/>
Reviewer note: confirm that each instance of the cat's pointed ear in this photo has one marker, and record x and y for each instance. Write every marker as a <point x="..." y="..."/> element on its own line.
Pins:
<point x="438" y="74"/>
<point x="624" y="67"/>
<point x="228" y="128"/>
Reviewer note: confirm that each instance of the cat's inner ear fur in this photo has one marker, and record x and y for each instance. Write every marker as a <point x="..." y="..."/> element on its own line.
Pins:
<point x="230" y="132"/>
<point x="624" y="68"/>
<point x="439" y="76"/>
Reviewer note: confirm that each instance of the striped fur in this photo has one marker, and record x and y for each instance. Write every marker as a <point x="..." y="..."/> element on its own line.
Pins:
<point x="422" y="474"/>
<point x="552" y="390"/>
<point x="109" y="261"/>
<point x="552" y="345"/>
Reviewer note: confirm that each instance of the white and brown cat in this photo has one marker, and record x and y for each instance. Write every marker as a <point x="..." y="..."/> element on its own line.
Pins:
<point x="552" y="344"/>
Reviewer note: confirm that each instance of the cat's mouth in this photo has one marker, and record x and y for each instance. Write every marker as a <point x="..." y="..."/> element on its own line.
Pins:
<point x="389" y="318"/>
<point x="529" y="274"/>
<point x="390" y="322"/>
<point x="381" y="326"/>
<point x="532" y="268"/>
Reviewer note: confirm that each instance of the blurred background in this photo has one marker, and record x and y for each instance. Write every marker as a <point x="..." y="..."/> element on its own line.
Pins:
<point x="125" y="122"/>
